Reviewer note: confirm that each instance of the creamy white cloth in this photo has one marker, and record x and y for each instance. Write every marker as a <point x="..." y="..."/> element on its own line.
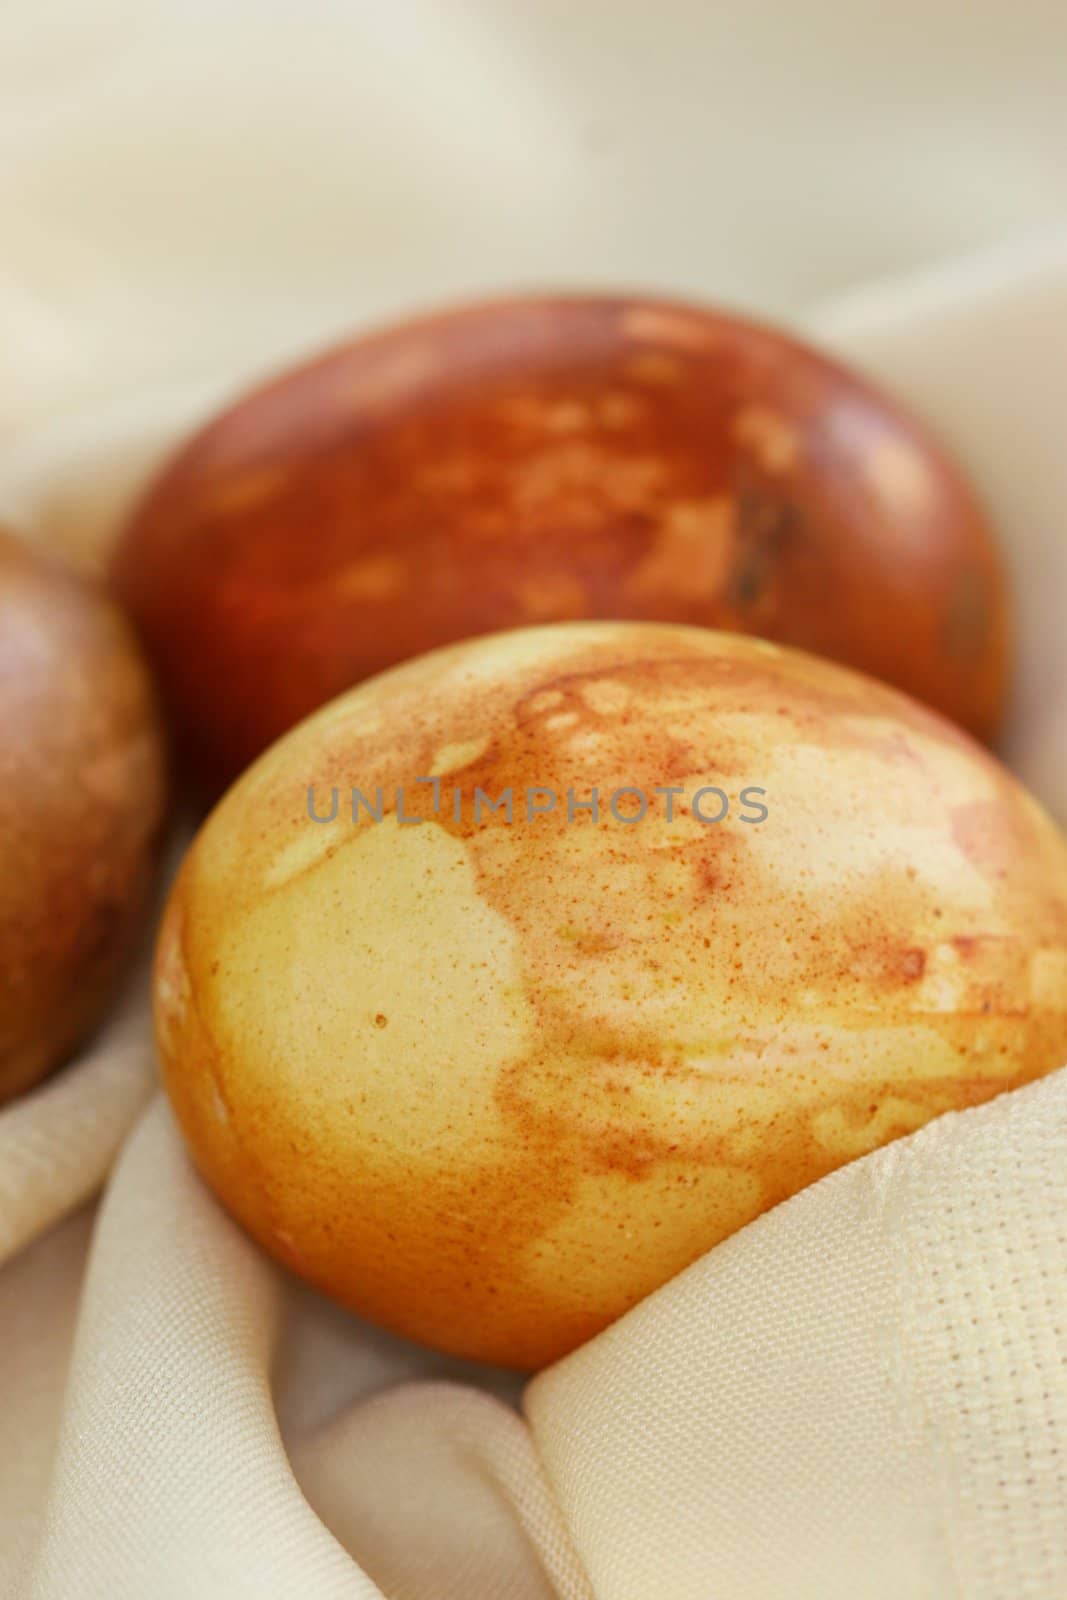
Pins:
<point x="865" y="1393"/>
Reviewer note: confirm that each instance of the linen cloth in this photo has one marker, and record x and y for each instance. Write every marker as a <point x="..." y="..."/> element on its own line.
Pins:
<point x="863" y="1394"/>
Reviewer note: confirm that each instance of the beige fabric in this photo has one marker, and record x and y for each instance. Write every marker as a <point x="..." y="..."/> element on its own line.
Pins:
<point x="865" y="1393"/>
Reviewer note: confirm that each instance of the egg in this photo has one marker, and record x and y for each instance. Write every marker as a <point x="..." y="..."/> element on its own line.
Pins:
<point x="540" y="460"/>
<point x="82" y="802"/>
<point x="520" y="976"/>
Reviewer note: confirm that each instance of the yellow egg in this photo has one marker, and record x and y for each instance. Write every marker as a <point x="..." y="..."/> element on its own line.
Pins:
<point x="490" y="1073"/>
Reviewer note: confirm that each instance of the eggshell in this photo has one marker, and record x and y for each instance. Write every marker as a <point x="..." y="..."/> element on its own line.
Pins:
<point x="82" y="797"/>
<point x="543" y="460"/>
<point x="490" y="1082"/>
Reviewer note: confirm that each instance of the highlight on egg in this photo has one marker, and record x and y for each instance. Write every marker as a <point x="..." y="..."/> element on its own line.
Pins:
<point x="491" y="1081"/>
<point x="554" y="459"/>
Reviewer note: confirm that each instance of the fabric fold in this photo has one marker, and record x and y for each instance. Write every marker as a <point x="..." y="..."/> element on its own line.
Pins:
<point x="170" y="1478"/>
<point x="863" y="1394"/>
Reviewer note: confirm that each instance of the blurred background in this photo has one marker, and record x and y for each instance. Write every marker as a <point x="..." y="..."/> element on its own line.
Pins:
<point x="194" y="192"/>
<point x="191" y="187"/>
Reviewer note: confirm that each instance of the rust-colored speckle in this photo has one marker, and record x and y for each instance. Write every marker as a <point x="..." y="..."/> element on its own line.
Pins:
<point x="608" y="1046"/>
<point x="554" y="459"/>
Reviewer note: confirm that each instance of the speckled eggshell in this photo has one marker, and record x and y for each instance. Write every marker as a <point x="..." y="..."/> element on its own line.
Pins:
<point x="545" y="460"/>
<point x="490" y="1083"/>
<point x="82" y="801"/>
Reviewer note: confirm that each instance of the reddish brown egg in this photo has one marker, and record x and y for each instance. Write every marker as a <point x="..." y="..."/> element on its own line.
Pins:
<point x="82" y="806"/>
<point x="544" y="460"/>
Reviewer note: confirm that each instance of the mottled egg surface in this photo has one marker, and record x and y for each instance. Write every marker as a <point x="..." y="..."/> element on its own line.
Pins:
<point x="522" y="462"/>
<point x="83" y="791"/>
<point x="489" y="1081"/>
